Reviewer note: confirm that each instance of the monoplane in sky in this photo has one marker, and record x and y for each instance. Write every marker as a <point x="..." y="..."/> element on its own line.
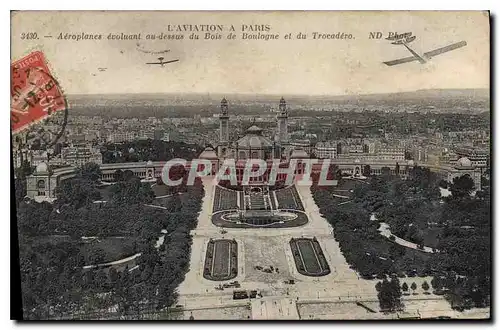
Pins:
<point x="406" y="38"/>
<point x="162" y="63"/>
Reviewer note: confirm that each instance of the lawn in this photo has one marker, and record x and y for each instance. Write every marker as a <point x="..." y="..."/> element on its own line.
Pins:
<point x="309" y="258"/>
<point x="161" y="190"/>
<point x="221" y="260"/>
<point x="105" y="191"/>
<point x="222" y="252"/>
<point x="225" y="199"/>
<point x="112" y="248"/>
<point x="288" y="198"/>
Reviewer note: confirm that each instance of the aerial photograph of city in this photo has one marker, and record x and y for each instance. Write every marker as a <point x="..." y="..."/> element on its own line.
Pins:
<point x="342" y="175"/>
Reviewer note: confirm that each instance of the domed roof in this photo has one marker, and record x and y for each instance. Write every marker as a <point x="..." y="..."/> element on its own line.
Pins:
<point x="254" y="142"/>
<point x="254" y="130"/>
<point x="208" y="153"/>
<point x="464" y="162"/>
<point x="149" y="163"/>
<point x="254" y="139"/>
<point x="299" y="153"/>
<point x="42" y="167"/>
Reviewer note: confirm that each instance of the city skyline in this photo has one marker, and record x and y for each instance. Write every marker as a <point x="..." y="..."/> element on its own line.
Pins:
<point x="250" y="94"/>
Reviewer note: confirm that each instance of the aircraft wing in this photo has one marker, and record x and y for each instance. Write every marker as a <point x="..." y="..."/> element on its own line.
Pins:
<point x="166" y="62"/>
<point x="445" y="49"/>
<point x="401" y="60"/>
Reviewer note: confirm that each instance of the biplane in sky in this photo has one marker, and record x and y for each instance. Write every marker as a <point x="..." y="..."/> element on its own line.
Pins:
<point x="406" y="38"/>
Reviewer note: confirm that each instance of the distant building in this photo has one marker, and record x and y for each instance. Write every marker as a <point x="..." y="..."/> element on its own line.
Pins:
<point x="421" y="155"/>
<point x="326" y="150"/>
<point x="464" y="166"/>
<point x="121" y="137"/>
<point x="355" y="148"/>
<point x="478" y="157"/>
<point x="157" y="134"/>
<point x="77" y="137"/>
<point x="41" y="186"/>
<point x="387" y="153"/>
<point x="78" y="155"/>
<point x="165" y="137"/>
<point x="145" y="135"/>
<point x="37" y="157"/>
<point x="303" y="144"/>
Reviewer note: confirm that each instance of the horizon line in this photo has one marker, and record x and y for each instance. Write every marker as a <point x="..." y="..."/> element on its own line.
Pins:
<point x="283" y="94"/>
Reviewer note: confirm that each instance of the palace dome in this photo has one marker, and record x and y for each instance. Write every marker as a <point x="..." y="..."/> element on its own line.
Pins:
<point x="42" y="167"/>
<point x="254" y="139"/>
<point x="464" y="162"/>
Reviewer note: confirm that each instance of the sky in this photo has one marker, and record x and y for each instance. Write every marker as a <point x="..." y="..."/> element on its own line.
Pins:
<point x="306" y="67"/>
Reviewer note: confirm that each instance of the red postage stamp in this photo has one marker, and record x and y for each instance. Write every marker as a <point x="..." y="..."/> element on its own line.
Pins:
<point x="35" y="94"/>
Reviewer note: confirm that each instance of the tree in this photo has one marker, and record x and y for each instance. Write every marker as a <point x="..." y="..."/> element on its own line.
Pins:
<point x="77" y="192"/>
<point x="132" y="191"/>
<point x="462" y="187"/>
<point x="118" y="175"/>
<point x="64" y="287"/>
<point x="332" y="170"/>
<point x="385" y="171"/>
<point x="127" y="175"/>
<point x="404" y="287"/>
<point x="389" y="294"/>
<point x="89" y="171"/>
<point x="98" y="256"/>
<point x="19" y="189"/>
<point x="425" y="286"/>
<point x="443" y="184"/>
<point x="436" y="283"/>
<point x="367" y="170"/>
<point x="413" y="286"/>
<point x="113" y="275"/>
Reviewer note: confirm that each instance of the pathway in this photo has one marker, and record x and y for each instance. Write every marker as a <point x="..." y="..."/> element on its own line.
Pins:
<point x="385" y="231"/>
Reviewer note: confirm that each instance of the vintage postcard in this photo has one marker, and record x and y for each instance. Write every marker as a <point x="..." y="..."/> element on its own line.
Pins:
<point x="322" y="165"/>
